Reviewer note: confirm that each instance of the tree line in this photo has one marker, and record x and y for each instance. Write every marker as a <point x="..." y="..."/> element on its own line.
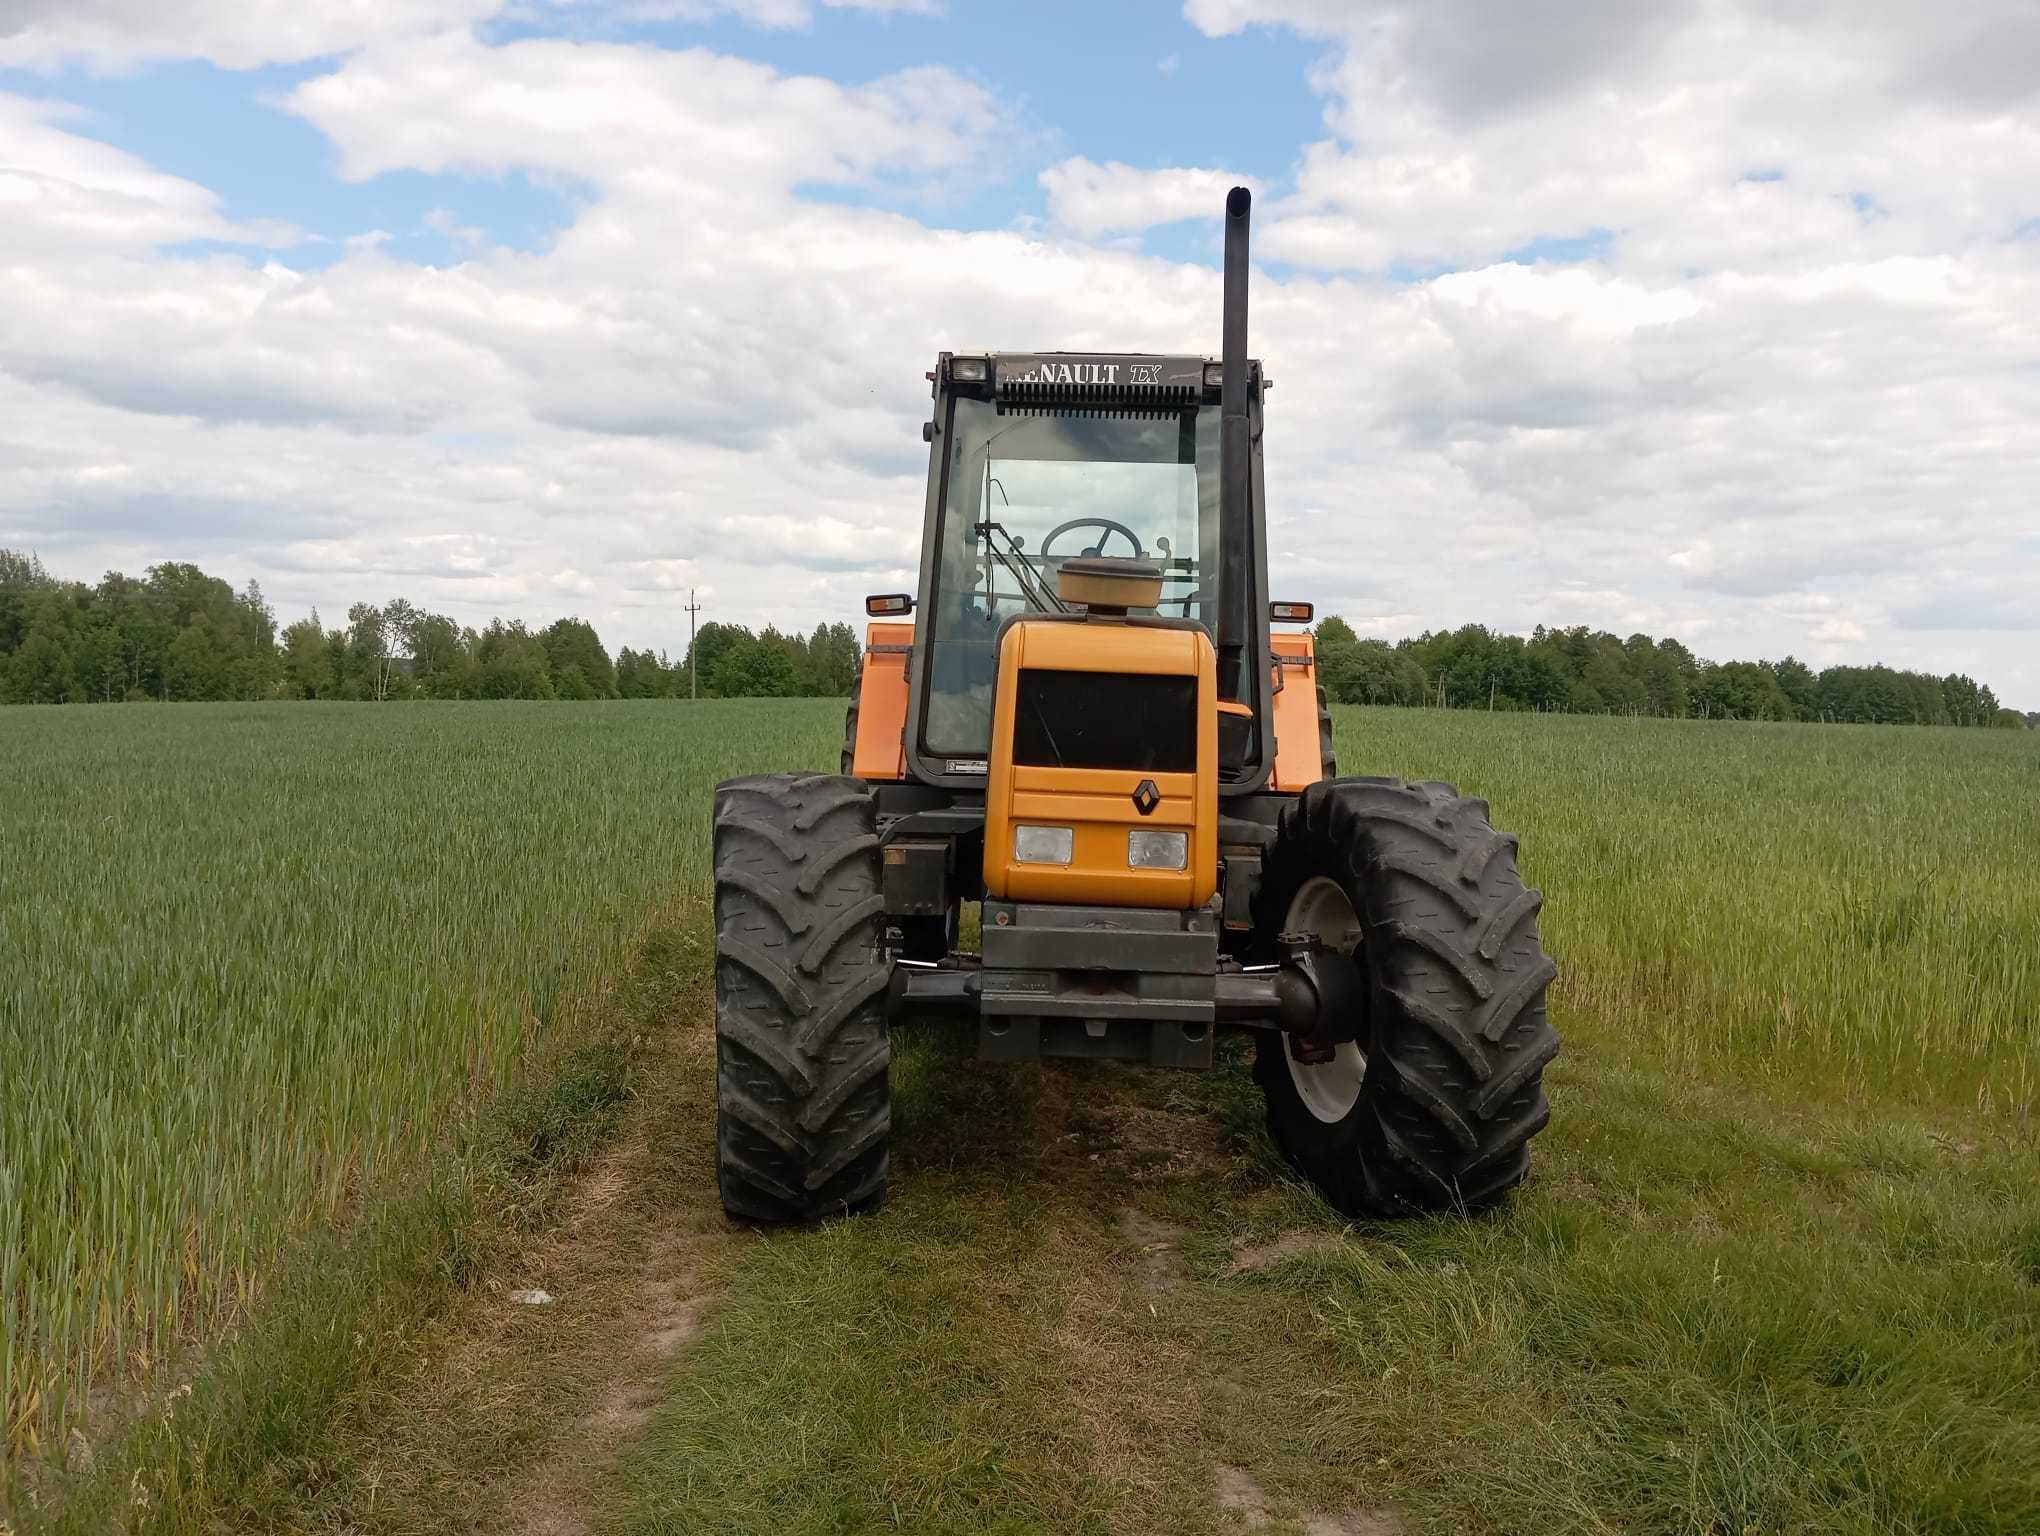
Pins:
<point x="1583" y="671"/>
<point x="178" y="634"/>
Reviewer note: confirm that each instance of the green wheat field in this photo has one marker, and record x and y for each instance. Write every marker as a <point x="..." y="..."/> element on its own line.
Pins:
<point x="254" y="959"/>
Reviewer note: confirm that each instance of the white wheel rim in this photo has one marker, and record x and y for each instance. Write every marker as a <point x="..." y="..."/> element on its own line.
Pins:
<point x="1329" y="1090"/>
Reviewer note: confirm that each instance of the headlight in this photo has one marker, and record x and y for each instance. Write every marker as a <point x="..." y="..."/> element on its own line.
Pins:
<point x="1044" y="845"/>
<point x="1157" y="850"/>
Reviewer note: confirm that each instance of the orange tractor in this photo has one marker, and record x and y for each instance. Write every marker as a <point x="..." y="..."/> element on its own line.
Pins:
<point x="1086" y="721"/>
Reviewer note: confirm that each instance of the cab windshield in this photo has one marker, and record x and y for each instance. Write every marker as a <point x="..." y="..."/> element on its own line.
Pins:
<point x="1027" y="487"/>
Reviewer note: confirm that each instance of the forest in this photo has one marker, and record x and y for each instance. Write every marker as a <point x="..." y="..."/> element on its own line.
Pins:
<point x="176" y="633"/>
<point x="1592" y="672"/>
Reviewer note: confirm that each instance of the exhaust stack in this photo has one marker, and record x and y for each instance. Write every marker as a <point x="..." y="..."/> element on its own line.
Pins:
<point x="1235" y="458"/>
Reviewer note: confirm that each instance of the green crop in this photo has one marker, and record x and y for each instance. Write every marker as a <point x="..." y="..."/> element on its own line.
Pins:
<point x="254" y="955"/>
<point x="253" y="959"/>
<point x="1846" y="910"/>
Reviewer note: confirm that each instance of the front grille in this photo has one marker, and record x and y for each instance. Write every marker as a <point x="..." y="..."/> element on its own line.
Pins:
<point x="1105" y="720"/>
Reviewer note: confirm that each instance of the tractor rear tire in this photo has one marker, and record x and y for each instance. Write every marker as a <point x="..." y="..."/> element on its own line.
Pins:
<point x="803" y="1108"/>
<point x="1437" y="1109"/>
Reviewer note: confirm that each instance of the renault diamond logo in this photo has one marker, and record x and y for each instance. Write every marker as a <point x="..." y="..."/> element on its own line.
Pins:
<point x="1146" y="797"/>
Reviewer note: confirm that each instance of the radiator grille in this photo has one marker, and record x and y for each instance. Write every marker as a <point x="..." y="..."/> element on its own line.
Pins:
<point x="1105" y="720"/>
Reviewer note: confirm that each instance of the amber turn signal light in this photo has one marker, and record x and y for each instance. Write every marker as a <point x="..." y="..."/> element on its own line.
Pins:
<point x="1291" y="613"/>
<point x="887" y="604"/>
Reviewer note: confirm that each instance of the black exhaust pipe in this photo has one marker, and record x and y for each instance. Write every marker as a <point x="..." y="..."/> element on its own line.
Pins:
<point x="1235" y="458"/>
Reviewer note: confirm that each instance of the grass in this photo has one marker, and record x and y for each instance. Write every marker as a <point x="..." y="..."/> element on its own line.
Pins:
<point x="279" y="1430"/>
<point x="1835" y="910"/>
<point x="1705" y="1314"/>
<point x="255" y="956"/>
<point x="1777" y="1268"/>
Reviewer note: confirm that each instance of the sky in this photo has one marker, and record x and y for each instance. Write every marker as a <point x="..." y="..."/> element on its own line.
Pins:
<point x="1705" y="318"/>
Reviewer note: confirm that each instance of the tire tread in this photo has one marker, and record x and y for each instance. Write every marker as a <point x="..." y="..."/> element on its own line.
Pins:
<point x="802" y="1051"/>
<point x="1458" y="1035"/>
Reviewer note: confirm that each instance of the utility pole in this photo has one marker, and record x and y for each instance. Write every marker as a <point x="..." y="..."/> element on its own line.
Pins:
<point x="693" y="672"/>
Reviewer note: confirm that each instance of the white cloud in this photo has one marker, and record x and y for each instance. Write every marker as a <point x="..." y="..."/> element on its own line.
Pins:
<point x="60" y="190"/>
<point x="1838" y="632"/>
<point x="701" y="370"/>
<point x="771" y="14"/>
<point x="646" y="124"/>
<point x="235" y="34"/>
<point x="1462" y="131"/>
<point x="775" y="15"/>
<point x="891" y="7"/>
<point x="1757" y="416"/>
<point x="1092" y="200"/>
<point x="1799" y="354"/>
<point x="242" y="34"/>
<point x="444" y="222"/>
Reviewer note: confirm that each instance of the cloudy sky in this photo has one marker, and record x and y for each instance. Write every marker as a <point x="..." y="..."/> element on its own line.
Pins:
<point x="1709" y="318"/>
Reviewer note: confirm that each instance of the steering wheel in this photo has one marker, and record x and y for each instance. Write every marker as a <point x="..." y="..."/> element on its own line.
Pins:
<point x="1104" y="523"/>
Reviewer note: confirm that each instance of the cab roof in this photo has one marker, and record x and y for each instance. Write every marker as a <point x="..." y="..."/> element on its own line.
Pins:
<point x="1066" y="375"/>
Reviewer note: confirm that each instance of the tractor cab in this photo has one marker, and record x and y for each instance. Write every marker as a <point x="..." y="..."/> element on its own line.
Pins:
<point x="1043" y="458"/>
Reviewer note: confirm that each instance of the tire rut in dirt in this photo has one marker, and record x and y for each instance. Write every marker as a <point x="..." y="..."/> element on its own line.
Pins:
<point x="1457" y="1036"/>
<point x="802" y="1098"/>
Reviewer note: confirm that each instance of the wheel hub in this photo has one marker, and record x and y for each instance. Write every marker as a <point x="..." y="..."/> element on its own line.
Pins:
<point x="1329" y="1085"/>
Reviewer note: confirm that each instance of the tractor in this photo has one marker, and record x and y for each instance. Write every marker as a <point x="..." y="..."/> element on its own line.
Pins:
<point x="1085" y="723"/>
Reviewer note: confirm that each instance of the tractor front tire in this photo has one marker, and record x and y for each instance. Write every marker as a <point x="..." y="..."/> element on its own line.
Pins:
<point x="803" y="1107"/>
<point x="1433" y="1106"/>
